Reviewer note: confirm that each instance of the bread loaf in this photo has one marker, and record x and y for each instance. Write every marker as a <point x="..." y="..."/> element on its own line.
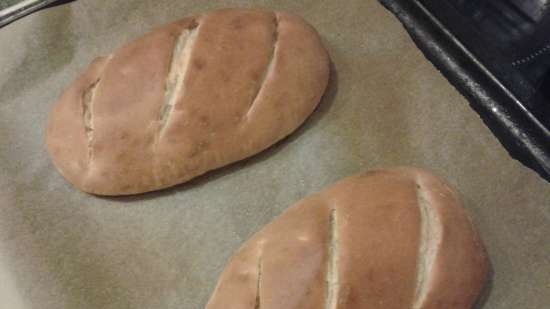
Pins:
<point x="187" y="98"/>
<point x="387" y="239"/>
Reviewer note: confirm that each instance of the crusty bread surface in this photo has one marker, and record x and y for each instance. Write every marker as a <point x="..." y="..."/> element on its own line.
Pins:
<point x="387" y="239"/>
<point x="187" y="98"/>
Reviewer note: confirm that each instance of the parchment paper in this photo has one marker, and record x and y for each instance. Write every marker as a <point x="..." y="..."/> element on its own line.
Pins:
<point x="386" y="105"/>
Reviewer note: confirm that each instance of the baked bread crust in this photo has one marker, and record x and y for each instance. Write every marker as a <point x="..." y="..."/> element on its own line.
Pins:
<point x="390" y="239"/>
<point x="187" y="98"/>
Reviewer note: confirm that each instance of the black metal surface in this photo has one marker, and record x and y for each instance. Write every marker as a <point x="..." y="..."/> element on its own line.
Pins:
<point x="508" y="101"/>
<point x="511" y="38"/>
<point x="9" y="14"/>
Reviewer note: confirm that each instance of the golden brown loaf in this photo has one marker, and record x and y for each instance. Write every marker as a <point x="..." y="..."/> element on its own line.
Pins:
<point x="386" y="239"/>
<point x="187" y="98"/>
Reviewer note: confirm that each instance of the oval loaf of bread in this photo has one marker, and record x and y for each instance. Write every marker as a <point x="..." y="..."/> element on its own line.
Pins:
<point x="187" y="98"/>
<point x="387" y="239"/>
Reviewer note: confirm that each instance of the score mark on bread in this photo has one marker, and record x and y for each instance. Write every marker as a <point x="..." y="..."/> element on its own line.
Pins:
<point x="187" y="98"/>
<point x="178" y="68"/>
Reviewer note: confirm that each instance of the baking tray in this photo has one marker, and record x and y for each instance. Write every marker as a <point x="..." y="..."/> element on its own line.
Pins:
<point x="386" y="105"/>
<point x="11" y="10"/>
<point x="505" y="100"/>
